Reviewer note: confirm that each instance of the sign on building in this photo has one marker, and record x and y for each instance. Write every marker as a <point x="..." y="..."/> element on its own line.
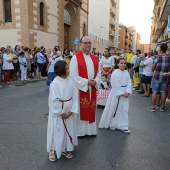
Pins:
<point x="168" y="28"/>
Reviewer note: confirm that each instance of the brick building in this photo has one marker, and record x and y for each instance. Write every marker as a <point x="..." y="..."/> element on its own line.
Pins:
<point x="42" y="22"/>
<point x="144" y="48"/>
<point x="129" y="39"/>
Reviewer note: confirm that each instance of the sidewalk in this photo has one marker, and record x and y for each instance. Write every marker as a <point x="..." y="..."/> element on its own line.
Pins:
<point x="18" y="82"/>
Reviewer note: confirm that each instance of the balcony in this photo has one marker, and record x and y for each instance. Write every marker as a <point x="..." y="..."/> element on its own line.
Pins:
<point x="113" y="11"/>
<point x="113" y="2"/>
<point x="112" y="22"/>
<point x="112" y="33"/>
<point x="158" y="28"/>
<point x="154" y="38"/>
<point x="111" y="44"/>
<point x="130" y="43"/>
<point x="127" y="41"/>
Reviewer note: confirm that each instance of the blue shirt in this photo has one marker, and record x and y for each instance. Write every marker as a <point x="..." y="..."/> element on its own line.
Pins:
<point x="39" y="58"/>
<point x="140" y="68"/>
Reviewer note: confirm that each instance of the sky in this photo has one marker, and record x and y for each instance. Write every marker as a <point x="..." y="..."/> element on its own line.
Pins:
<point x="137" y="13"/>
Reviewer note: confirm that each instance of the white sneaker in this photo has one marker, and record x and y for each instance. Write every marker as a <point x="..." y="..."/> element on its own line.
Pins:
<point x="111" y="128"/>
<point x="127" y="131"/>
<point x="167" y="100"/>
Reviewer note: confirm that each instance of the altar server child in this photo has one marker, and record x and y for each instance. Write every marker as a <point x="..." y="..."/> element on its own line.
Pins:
<point x="61" y="130"/>
<point x="115" y="114"/>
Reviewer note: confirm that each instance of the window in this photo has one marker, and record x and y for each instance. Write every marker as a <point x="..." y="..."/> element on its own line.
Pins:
<point x="7" y="10"/>
<point x="42" y="14"/>
<point x="67" y="16"/>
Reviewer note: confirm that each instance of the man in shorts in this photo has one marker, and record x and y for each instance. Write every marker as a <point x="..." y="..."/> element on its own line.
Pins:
<point x="147" y="74"/>
<point x="159" y="79"/>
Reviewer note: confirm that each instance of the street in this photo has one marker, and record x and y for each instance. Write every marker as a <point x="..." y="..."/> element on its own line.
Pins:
<point x="23" y="136"/>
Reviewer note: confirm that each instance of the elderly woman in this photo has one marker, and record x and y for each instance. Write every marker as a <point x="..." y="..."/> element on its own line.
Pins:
<point x="7" y="64"/>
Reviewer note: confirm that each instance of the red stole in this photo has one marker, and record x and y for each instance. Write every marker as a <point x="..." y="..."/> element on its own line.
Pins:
<point x="87" y="105"/>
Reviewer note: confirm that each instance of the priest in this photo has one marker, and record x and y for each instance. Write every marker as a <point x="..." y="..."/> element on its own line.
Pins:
<point x="85" y="73"/>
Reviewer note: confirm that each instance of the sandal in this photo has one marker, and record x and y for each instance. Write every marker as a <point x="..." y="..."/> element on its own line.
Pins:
<point x="145" y="95"/>
<point x="52" y="156"/>
<point x="67" y="154"/>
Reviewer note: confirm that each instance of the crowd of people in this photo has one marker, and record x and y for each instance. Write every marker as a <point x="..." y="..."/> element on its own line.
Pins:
<point x="75" y="80"/>
<point x="24" y="63"/>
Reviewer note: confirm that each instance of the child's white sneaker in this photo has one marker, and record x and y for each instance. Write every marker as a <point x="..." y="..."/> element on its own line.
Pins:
<point x="127" y="131"/>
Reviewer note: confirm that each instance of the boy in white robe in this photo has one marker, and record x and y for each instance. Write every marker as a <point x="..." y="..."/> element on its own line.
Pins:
<point x="115" y="114"/>
<point x="62" y="109"/>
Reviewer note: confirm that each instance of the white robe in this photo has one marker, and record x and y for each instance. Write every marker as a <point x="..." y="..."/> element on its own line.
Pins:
<point x="83" y="127"/>
<point x="57" y="138"/>
<point x="120" y="121"/>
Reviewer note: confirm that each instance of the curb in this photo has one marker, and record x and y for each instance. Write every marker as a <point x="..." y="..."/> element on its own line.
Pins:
<point x="21" y="83"/>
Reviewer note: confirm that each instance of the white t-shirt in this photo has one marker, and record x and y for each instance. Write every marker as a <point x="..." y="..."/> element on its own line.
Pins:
<point x="107" y="62"/>
<point x="147" y="70"/>
<point x="133" y="59"/>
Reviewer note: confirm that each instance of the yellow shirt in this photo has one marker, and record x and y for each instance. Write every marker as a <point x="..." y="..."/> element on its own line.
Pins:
<point x="12" y="56"/>
<point x="128" y="57"/>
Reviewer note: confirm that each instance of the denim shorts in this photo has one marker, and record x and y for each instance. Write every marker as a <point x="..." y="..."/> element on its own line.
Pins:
<point x="158" y="86"/>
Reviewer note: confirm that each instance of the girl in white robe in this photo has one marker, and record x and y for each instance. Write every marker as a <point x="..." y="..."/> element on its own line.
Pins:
<point x="115" y="114"/>
<point x="62" y="107"/>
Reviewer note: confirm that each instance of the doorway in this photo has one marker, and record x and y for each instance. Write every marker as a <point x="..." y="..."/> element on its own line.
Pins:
<point x="66" y="36"/>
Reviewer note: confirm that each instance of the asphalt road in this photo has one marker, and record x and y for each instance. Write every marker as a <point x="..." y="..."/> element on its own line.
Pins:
<point x="23" y="136"/>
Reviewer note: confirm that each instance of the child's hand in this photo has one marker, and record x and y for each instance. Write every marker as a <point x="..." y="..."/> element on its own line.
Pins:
<point x="126" y="95"/>
<point x="64" y="115"/>
<point x="69" y="114"/>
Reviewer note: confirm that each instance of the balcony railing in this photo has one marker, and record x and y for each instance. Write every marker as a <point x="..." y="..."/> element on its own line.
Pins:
<point x="112" y="33"/>
<point x="113" y="11"/>
<point x="127" y="41"/>
<point x="112" y="22"/>
<point x="158" y="28"/>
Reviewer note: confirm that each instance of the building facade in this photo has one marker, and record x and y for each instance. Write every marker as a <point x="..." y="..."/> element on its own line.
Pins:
<point x="103" y="24"/>
<point x="138" y="41"/>
<point x="42" y="22"/>
<point x="145" y="48"/>
<point x="159" y="33"/>
<point x="129" y="39"/>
